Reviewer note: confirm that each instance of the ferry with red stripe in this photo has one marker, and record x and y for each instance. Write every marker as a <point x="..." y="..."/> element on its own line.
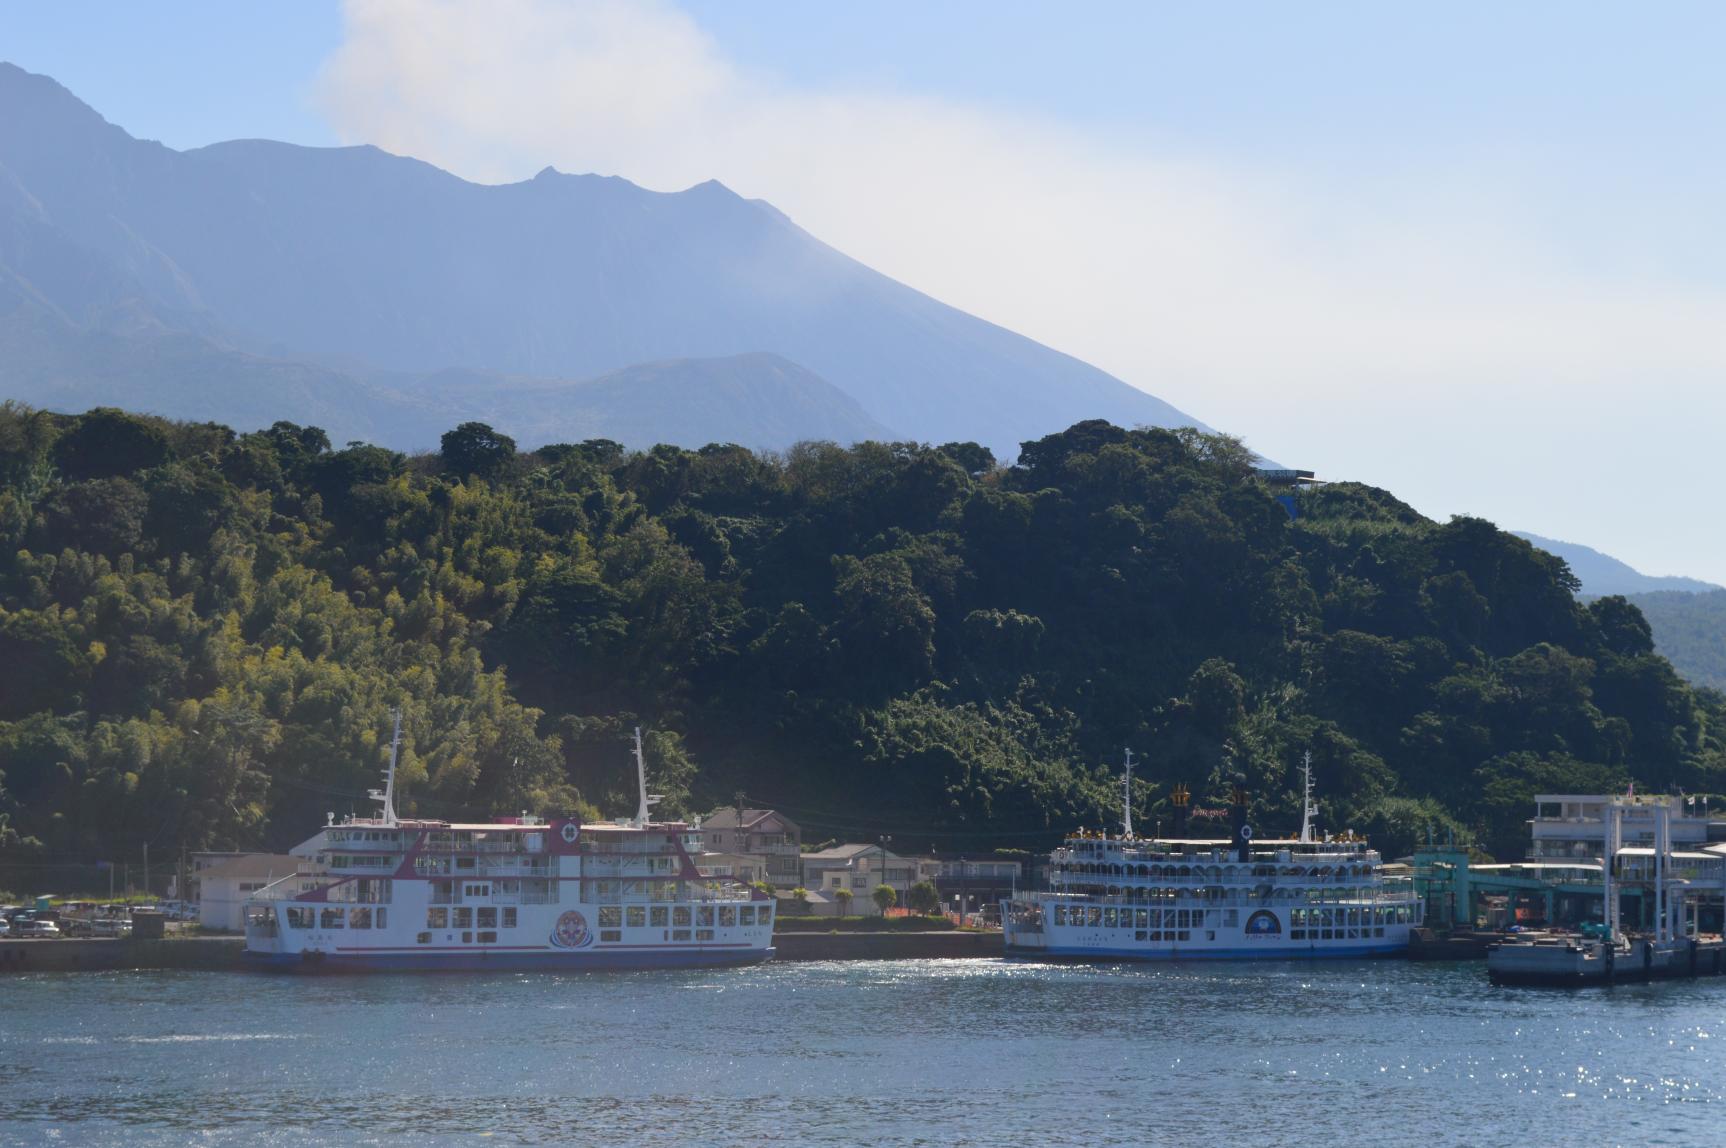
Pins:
<point x="522" y="893"/>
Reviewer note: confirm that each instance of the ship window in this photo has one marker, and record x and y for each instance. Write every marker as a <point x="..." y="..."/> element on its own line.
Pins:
<point x="359" y="918"/>
<point x="764" y="915"/>
<point x="1109" y="918"/>
<point x="658" y="916"/>
<point x="383" y="918"/>
<point x="1093" y="916"/>
<point x="333" y="919"/>
<point x="637" y="916"/>
<point x="704" y="934"/>
<point x="704" y="915"/>
<point x="727" y="916"/>
<point x="611" y="934"/>
<point x="467" y="938"/>
<point x="464" y="918"/>
<point x="423" y="938"/>
<point x="746" y="915"/>
<point x="437" y="918"/>
<point x="1060" y="914"/>
<point x="488" y="938"/>
<point x="680" y="934"/>
<point x="610" y="916"/>
<point x="680" y="915"/>
<point x="1139" y="935"/>
<point x="464" y="862"/>
<point x="488" y="917"/>
<point x="301" y="918"/>
<point x="1297" y="934"/>
<point x="509" y="917"/>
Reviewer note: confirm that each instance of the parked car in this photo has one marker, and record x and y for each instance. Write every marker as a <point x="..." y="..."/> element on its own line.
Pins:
<point x="31" y="927"/>
<point x="111" y="926"/>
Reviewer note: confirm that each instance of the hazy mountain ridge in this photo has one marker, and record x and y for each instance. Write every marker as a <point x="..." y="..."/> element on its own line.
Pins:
<point x="352" y="261"/>
<point x="1602" y="574"/>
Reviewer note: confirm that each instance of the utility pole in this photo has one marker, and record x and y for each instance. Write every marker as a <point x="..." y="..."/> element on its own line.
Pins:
<point x="146" y="870"/>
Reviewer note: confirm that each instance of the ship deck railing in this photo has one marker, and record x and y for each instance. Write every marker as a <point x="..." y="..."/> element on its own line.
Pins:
<point x="1256" y="901"/>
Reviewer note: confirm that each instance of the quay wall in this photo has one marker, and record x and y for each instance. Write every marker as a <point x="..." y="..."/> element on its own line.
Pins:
<point x="99" y="954"/>
<point x="884" y="946"/>
<point x="106" y="954"/>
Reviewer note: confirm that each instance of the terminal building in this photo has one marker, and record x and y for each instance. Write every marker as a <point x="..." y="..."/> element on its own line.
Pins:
<point x="1560" y="881"/>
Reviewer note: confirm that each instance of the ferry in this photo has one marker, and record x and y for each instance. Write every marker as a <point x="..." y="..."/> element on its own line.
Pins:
<point x="524" y="893"/>
<point x="1120" y="897"/>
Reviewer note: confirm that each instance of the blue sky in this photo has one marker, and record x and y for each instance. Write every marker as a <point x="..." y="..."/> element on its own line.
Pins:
<point x="1466" y="252"/>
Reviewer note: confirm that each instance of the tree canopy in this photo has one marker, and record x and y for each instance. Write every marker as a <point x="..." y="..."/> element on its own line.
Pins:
<point x="202" y="634"/>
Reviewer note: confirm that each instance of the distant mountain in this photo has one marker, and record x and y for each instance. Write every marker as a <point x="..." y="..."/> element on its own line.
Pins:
<point x="1690" y="631"/>
<point x="759" y="400"/>
<point x="311" y="282"/>
<point x="1602" y="574"/>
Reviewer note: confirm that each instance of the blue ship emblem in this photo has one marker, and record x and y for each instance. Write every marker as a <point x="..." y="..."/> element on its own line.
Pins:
<point x="1264" y="923"/>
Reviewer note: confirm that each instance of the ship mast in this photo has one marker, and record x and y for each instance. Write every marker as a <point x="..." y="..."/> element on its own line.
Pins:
<point x="386" y="796"/>
<point x="1309" y="808"/>
<point x="647" y="799"/>
<point x="1127" y="796"/>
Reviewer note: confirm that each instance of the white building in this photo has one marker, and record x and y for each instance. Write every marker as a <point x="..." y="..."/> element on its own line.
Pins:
<point x="1572" y="826"/>
<point x="859" y="868"/>
<point x="222" y="888"/>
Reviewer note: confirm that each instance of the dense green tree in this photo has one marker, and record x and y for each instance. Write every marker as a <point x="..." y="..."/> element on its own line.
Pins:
<point x="476" y="449"/>
<point x="885" y="897"/>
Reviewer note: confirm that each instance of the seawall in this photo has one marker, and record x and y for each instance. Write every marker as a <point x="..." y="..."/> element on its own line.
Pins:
<point x="224" y="952"/>
<point x="884" y="946"/>
<point x="94" y="955"/>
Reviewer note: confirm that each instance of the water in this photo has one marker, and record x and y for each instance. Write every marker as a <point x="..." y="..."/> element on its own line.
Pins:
<point x="883" y="1053"/>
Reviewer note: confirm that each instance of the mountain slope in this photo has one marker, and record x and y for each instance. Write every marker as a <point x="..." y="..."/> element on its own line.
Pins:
<point x="761" y="401"/>
<point x="1690" y="632"/>
<point x="366" y="261"/>
<point x="1602" y="574"/>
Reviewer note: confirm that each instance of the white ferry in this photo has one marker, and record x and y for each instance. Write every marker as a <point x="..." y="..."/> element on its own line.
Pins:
<point x="515" y="894"/>
<point x="1121" y="897"/>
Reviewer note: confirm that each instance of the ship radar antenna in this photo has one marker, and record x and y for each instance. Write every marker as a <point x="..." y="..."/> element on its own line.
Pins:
<point x="1309" y="808"/>
<point x="386" y="797"/>
<point x="1127" y="796"/>
<point x="648" y="800"/>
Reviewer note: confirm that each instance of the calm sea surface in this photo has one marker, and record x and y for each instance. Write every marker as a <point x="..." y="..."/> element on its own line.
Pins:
<point x="888" y="1053"/>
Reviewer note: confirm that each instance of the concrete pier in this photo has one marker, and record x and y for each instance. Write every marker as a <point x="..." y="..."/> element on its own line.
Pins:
<point x="101" y="954"/>
<point x="41" y="956"/>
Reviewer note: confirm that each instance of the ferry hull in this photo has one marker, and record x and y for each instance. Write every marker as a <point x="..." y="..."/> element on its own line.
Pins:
<point x="494" y="961"/>
<point x="1254" y="953"/>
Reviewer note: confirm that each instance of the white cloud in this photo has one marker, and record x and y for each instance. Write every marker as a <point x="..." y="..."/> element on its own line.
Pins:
<point x="1410" y="338"/>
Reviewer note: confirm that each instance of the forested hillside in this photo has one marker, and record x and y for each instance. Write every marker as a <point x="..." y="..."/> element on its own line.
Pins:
<point x="202" y="633"/>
